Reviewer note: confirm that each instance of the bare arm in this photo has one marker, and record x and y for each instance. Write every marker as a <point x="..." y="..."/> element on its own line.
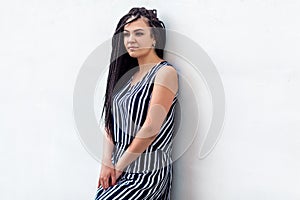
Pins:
<point x="164" y="90"/>
<point x="108" y="147"/>
<point x="107" y="174"/>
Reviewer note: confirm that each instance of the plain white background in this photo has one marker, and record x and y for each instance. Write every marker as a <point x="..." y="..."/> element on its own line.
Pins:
<point x="255" y="46"/>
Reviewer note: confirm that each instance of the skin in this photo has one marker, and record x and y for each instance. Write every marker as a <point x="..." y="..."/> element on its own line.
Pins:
<point x="138" y="41"/>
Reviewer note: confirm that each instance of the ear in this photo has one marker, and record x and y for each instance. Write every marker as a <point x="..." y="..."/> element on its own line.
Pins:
<point x="153" y="43"/>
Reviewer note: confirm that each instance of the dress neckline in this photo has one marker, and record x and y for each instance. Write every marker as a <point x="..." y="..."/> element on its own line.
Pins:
<point x="148" y="72"/>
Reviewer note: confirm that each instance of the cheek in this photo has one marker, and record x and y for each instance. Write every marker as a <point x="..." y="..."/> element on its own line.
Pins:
<point x="145" y="42"/>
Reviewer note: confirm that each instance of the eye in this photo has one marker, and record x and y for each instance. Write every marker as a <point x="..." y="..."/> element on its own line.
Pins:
<point x="139" y="33"/>
<point x="125" y="34"/>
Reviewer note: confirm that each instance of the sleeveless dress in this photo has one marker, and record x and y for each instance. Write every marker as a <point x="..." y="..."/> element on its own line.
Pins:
<point x="149" y="177"/>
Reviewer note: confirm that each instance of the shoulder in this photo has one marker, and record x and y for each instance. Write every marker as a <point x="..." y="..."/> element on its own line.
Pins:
<point x="167" y="71"/>
<point x="167" y="76"/>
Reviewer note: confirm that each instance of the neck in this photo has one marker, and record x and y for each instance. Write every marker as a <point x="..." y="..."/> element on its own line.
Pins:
<point x="145" y="63"/>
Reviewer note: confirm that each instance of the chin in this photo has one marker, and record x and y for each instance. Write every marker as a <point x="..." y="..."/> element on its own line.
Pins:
<point x="137" y="54"/>
<point x="133" y="54"/>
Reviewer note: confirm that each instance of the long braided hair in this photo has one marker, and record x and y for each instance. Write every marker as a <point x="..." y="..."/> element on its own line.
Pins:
<point x="121" y="62"/>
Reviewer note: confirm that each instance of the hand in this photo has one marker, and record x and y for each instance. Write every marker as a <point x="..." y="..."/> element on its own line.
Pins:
<point x="118" y="173"/>
<point x="107" y="176"/>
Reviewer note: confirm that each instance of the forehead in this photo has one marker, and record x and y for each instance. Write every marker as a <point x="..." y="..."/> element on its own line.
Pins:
<point x="139" y="23"/>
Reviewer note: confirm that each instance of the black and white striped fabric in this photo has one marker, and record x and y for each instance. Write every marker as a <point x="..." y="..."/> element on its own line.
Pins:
<point x="149" y="177"/>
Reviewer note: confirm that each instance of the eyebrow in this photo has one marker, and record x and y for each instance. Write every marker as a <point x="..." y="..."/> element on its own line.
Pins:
<point x="139" y="29"/>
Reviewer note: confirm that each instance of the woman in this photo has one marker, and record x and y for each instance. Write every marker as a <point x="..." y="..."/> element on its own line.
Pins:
<point x="139" y="115"/>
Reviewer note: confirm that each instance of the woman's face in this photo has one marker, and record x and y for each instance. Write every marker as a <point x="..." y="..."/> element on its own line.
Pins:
<point x="138" y="39"/>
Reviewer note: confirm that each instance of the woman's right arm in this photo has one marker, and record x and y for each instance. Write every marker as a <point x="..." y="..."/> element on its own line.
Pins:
<point x="107" y="174"/>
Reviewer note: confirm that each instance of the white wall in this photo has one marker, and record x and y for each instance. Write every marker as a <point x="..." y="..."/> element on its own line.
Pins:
<point x="254" y="45"/>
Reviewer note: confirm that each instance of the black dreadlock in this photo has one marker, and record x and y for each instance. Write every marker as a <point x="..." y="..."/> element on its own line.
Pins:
<point x="121" y="62"/>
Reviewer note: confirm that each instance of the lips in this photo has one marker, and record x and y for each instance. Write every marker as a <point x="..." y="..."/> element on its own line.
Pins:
<point x="132" y="48"/>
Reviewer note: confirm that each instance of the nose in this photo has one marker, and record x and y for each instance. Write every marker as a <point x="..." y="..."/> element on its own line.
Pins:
<point x="131" y="38"/>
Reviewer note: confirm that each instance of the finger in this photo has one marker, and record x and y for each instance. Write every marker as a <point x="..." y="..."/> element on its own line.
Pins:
<point x="105" y="183"/>
<point x="101" y="183"/>
<point x="113" y="179"/>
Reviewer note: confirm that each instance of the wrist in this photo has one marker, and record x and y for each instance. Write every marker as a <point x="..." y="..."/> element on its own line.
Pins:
<point x="126" y="159"/>
<point x="119" y="167"/>
<point x="107" y="162"/>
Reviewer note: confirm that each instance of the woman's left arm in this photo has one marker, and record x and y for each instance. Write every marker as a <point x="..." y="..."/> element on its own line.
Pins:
<point x="164" y="91"/>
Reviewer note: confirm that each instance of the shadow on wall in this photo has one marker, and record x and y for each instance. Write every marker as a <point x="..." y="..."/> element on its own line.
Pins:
<point x="200" y="112"/>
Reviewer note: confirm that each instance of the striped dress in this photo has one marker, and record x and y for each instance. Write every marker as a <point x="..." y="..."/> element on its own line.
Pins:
<point x="149" y="177"/>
